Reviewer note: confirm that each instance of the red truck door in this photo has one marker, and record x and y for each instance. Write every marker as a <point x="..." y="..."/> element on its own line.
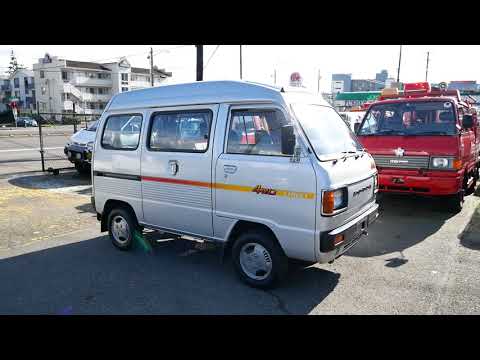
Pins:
<point x="467" y="142"/>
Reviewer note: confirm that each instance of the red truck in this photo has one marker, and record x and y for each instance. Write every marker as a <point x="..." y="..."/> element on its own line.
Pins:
<point x="425" y="141"/>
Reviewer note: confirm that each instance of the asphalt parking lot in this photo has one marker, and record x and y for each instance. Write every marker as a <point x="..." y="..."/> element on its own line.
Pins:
<point x="417" y="259"/>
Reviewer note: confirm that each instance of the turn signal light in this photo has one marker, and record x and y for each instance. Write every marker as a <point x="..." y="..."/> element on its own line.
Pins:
<point x="338" y="239"/>
<point x="328" y="203"/>
<point x="457" y="164"/>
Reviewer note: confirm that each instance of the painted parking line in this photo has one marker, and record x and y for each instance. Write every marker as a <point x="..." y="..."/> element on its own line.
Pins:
<point x="31" y="149"/>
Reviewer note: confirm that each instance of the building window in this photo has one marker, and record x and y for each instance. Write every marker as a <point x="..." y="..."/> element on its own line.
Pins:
<point x="124" y="76"/>
<point x="124" y="89"/>
<point x="64" y="75"/>
<point x="91" y="90"/>
<point x="16" y="83"/>
<point x="42" y="74"/>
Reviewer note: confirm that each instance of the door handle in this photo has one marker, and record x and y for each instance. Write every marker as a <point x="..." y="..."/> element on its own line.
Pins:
<point x="229" y="169"/>
<point x="173" y="165"/>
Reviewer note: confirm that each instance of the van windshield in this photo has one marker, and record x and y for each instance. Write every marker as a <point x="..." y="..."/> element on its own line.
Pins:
<point x="328" y="134"/>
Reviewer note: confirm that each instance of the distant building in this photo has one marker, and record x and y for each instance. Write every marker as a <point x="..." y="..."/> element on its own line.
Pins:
<point x="19" y="87"/>
<point x="364" y="85"/>
<point x="381" y="79"/>
<point x="468" y="85"/>
<point x="62" y="84"/>
<point x="341" y="83"/>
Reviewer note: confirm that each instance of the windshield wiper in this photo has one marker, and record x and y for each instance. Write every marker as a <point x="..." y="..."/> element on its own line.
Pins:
<point x="430" y="133"/>
<point x="390" y="131"/>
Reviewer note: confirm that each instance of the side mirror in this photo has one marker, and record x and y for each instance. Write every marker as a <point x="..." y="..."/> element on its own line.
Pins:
<point x="467" y="122"/>
<point x="288" y="140"/>
<point x="356" y="126"/>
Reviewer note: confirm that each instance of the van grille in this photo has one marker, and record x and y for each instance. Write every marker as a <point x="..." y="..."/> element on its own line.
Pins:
<point x="404" y="162"/>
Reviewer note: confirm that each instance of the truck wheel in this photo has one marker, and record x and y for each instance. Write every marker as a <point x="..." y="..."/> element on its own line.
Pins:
<point x="121" y="227"/>
<point x="259" y="261"/>
<point x="82" y="168"/>
<point x="455" y="203"/>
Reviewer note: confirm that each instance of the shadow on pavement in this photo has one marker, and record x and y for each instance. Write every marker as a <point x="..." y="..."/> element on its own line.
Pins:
<point x="92" y="277"/>
<point x="67" y="180"/>
<point x="470" y="237"/>
<point x="404" y="221"/>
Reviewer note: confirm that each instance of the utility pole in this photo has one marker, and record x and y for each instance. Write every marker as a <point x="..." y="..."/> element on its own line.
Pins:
<point x="275" y="76"/>
<point x="241" y="62"/>
<point x="151" y="66"/>
<point x="399" y="62"/>
<point x="199" y="62"/>
<point x="318" y="81"/>
<point x="426" y="72"/>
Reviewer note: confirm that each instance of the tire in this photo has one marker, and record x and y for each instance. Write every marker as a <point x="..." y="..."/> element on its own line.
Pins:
<point x="83" y="169"/>
<point x="122" y="235"/>
<point x="258" y="259"/>
<point x="455" y="203"/>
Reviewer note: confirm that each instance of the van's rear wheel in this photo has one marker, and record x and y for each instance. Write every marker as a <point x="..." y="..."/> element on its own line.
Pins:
<point x="121" y="228"/>
<point x="258" y="259"/>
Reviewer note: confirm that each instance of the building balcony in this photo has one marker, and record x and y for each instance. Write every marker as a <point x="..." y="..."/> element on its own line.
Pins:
<point x="96" y="97"/>
<point x="87" y="81"/>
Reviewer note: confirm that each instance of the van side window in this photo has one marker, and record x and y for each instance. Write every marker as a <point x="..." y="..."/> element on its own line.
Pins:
<point x="256" y="132"/>
<point x="182" y="131"/>
<point x="122" y="132"/>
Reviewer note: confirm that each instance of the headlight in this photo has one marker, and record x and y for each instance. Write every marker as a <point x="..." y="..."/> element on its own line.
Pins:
<point x="446" y="163"/>
<point x="334" y="200"/>
<point x="90" y="146"/>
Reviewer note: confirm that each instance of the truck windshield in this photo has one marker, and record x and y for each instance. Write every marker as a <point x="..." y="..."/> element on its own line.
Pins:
<point x="328" y="134"/>
<point x="410" y="118"/>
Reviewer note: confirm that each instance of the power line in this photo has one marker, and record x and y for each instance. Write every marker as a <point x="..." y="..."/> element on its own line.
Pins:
<point x="211" y="56"/>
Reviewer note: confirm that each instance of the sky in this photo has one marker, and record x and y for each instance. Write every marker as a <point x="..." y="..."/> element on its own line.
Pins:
<point x="447" y="63"/>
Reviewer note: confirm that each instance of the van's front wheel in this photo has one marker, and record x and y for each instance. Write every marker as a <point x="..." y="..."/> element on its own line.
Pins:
<point x="121" y="228"/>
<point x="258" y="259"/>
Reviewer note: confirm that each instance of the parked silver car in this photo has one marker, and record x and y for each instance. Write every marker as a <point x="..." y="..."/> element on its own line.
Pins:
<point x="79" y="148"/>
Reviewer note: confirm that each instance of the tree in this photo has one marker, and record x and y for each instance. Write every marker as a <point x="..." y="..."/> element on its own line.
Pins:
<point x="14" y="66"/>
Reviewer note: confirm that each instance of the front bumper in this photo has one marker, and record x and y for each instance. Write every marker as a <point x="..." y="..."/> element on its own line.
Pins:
<point x="76" y="153"/>
<point x="426" y="184"/>
<point x="352" y="232"/>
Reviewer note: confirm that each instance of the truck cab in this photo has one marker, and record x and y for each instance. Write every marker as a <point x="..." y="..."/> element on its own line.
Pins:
<point x="267" y="174"/>
<point x="424" y="142"/>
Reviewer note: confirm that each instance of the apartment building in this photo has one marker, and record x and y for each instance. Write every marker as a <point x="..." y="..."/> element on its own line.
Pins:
<point x="63" y="86"/>
<point x="19" y="87"/>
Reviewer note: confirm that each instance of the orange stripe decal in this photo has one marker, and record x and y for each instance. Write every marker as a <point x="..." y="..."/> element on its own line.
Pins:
<point x="231" y="187"/>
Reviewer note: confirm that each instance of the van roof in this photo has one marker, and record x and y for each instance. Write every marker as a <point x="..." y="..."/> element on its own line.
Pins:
<point x="203" y="92"/>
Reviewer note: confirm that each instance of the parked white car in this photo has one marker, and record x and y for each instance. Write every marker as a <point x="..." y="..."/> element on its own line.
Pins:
<point x="79" y="148"/>
<point x="268" y="174"/>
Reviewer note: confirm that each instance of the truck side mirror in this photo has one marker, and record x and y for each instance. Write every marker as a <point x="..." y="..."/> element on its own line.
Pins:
<point x="288" y="140"/>
<point x="467" y="122"/>
<point x="356" y="126"/>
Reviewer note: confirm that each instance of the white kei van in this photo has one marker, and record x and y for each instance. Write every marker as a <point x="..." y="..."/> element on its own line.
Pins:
<point x="269" y="174"/>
